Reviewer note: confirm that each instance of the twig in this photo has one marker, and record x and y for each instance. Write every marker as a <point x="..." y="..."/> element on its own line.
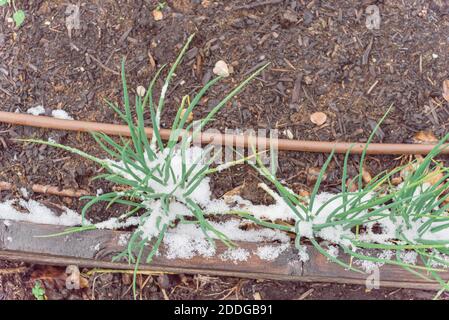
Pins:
<point x="13" y="270"/>
<point x="38" y="188"/>
<point x="103" y="65"/>
<point x="258" y="4"/>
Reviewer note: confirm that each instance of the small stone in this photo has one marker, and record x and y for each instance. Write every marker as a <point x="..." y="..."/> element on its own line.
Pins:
<point x="221" y="69"/>
<point x="289" y="134"/>
<point x="140" y="91"/>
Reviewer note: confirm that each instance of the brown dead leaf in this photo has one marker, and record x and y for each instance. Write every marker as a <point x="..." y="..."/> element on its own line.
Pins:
<point x="318" y="118"/>
<point x="446" y="90"/>
<point x="304" y="193"/>
<point x="231" y="193"/>
<point x="351" y="185"/>
<point x="434" y="177"/>
<point x="366" y="176"/>
<point x="425" y="137"/>
<point x="189" y="117"/>
<point x="396" y="181"/>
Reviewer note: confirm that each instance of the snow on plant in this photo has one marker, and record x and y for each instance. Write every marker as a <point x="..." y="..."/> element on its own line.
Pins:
<point x="166" y="181"/>
<point x="412" y="218"/>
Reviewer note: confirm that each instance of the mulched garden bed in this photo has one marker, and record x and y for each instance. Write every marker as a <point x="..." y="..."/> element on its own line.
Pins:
<point x="323" y="58"/>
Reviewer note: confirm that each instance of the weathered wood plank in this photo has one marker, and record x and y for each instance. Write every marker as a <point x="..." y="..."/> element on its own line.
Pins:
<point x="20" y="241"/>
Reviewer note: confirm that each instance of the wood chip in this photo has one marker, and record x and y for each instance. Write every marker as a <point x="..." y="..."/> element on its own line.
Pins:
<point x="318" y="118"/>
<point x="446" y="90"/>
<point x="257" y="296"/>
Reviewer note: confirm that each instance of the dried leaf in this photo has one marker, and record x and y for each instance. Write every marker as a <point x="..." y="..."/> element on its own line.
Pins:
<point x="425" y="137"/>
<point x="351" y="185"/>
<point x="231" y="193"/>
<point x="434" y="177"/>
<point x="318" y="118"/>
<point x="366" y="176"/>
<point x="189" y="116"/>
<point x="396" y="181"/>
<point x="304" y="193"/>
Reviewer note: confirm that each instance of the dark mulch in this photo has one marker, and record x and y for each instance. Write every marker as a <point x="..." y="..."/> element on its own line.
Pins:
<point x="323" y="58"/>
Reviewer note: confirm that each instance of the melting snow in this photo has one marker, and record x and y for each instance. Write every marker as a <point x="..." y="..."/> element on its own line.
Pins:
<point x="61" y="114"/>
<point x="37" y="213"/>
<point x="235" y="255"/>
<point x="36" y="111"/>
<point x="271" y="252"/>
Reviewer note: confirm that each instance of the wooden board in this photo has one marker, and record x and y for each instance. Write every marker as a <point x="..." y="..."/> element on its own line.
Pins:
<point x="20" y="241"/>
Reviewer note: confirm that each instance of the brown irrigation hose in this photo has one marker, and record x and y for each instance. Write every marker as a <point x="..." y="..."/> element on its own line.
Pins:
<point x="220" y="139"/>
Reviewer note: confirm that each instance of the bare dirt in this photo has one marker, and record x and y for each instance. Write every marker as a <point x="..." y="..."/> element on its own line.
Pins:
<point x="323" y="58"/>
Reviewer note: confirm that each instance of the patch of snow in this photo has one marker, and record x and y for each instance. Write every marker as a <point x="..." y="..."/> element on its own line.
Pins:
<point x="124" y="239"/>
<point x="61" y="114"/>
<point x="235" y="255"/>
<point x="271" y="252"/>
<point x="187" y="241"/>
<point x="409" y="257"/>
<point x="24" y="192"/>
<point x="303" y="254"/>
<point x="305" y="229"/>
<point x="36" y="111"/>
<point x="369" y="266"/>
<point x="38" y="213"/>
<point x="333" y="251"/>
<point x="116" y="223"/>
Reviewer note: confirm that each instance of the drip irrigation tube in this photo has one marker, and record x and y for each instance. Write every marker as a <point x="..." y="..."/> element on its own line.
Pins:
<point x="221" y="139"/>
